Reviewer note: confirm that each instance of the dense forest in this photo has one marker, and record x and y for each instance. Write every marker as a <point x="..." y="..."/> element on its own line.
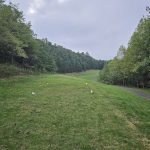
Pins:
<point x="20" y="46"/>
<point x="131" y="66"/>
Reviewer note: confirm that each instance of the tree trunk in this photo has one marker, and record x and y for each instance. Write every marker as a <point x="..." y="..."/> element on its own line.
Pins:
<point x="123" y="82"/>
<point x="137" y="84"/>
<point x="12" y="59"/>
<point x="143" y="85"/>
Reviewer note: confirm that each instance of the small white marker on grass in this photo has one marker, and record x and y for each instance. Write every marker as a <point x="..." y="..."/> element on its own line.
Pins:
<point x="33" y="93"/>
<point x="92" y="92"/>
<point x="86" y="83"/>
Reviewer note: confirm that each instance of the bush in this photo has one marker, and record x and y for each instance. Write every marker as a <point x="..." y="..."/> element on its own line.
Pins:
<point x="7" y="70"/>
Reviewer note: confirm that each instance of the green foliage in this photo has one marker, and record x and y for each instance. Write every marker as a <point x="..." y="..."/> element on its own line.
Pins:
<point x="131" y="66"/>
<point x="10" y="42"/>
<point x="69" y="61"/>
<point x="7" y="70"/>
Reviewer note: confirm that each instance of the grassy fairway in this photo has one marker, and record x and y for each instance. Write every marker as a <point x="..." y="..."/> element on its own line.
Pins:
<point x="89" y="75"/>
<point x="64" y="115"/>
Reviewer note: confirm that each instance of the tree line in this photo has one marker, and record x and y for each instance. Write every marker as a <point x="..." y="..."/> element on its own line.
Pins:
<point x="131" y="66"/>
<point x="20" y="45"/>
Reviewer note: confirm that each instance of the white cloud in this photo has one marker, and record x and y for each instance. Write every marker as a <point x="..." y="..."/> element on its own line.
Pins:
<point x="31" y="11"/>
<point x="35" y="5"/>
<point x="62" y="1"/>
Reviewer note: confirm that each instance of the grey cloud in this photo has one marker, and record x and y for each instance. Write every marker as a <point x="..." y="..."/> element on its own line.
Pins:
<point x="96" y="26"/>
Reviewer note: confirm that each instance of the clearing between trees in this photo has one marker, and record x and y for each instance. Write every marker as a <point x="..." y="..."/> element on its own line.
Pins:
<point x="59" y="112"/>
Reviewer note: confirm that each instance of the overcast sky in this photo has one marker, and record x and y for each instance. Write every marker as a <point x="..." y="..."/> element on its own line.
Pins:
<point x="96" y="26"/>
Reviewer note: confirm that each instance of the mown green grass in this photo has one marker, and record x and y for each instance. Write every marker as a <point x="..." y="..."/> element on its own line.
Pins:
<point x="64" y="115"/>
<point x="89" y="75"/>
